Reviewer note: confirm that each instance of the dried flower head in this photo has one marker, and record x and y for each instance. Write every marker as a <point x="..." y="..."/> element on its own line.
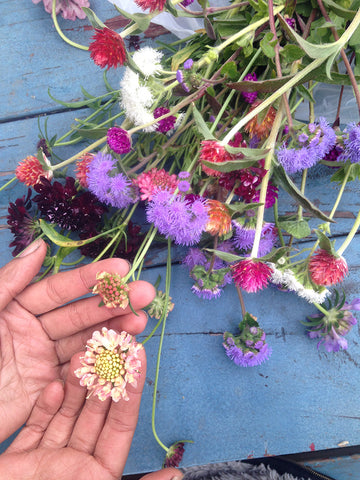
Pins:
<point x="327" y="269"/>
<point x="112" y="289"/>
<point x="157" y="306"/>
<point x="107" y="48"/>
<point x="219" y="222"/>
<point x="261" y="125"/>
<point x="30" y="170"/>
<point x="110" y="364"/>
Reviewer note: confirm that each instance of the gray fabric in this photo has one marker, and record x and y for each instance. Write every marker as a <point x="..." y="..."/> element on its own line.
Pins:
<point x="235" y="471"/>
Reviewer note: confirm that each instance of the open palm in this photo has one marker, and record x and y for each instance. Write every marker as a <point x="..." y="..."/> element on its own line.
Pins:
<point x="43" y="324"/>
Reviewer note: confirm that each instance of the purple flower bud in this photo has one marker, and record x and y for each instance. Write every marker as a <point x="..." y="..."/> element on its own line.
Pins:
<point x="179" y="76"/>
<point x="188" y="64"/>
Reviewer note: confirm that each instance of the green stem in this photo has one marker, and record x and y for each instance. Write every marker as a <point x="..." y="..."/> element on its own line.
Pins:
<point x="8" y="183"/>
<point x="276" y="220"/>
<point x="139" y="259"/>
<point x="79" y="154"/>
<point x="322" y="309"/>
<point x="271" y="143"/>
<point x="164" y="315"/>
<point x="59" y="31"/>
<point x="350" y="235"/>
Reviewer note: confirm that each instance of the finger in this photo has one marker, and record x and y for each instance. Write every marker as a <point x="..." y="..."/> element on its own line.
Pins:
<point x="119" y="428"/>
<point x="61" y="426"/>
<point x="56" y="290"/>
<point x="131" y="323"/>
<point x="17" y="274"/>
<point x="45" y="408"/>
<point x="165" y="474"/>
<point x="77" y="316"/>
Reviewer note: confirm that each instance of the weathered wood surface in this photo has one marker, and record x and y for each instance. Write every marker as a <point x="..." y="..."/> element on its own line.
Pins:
<point x="301" y="396"/>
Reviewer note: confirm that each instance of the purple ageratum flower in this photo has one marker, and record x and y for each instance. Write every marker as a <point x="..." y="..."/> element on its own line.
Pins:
<point x="314" y="149"/>
<point x="183" y="175"/>
<point x="119" y="140"/>
<point x="177" y="217"/>
<point x="195" y="256"/>
<point x="244" y="237"/>
<point x="165" y="124"/>
<point x="184" y="186"/>
<point x="250" y="97"/>
<point x="189" y="62"/>
<point x="351" y="144"/>
<point x="116" y="190"/>
<point x="179" y="76"/>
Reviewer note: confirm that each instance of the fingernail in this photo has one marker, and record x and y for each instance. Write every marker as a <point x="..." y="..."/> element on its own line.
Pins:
<point x="31" y="248"/>
<point x="177" y="478"/>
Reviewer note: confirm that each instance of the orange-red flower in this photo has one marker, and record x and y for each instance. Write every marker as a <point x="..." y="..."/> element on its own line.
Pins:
<point x="107" y="48"/>
<point x="212" y="151"/>
<point x="262" y="123"/>
<point x="82" y="168"/>
<point x="326" y="269"/>
<point x="30" y="170"/>
<point x="219" y="222"/>
<point x="151" y="4"/>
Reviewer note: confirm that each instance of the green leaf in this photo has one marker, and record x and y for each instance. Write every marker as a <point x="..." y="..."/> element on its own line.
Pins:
<point x="282" y="179"/>
<point x="142" y="20"/>
<point x="93" y="18"/>
<point x="82" y="103"/>
<point x="227" y="257"/>
<point x="325" y="243"/>
<point x="296" y="228"/>
<point x="230" y="70"/>
<point x="290" y="53"/>
<point x="267" y="45"/>
<point x="249" y="153"/>
<point x="93" y="133"/>
<point x="241" y="207"/>
<point x="230" y="166"/>
<point x="201" y="124"/>
<point x="276" y="254"/>
<point x="60" y="255"/>
<point x="305" y="93"/>
<point x="339" y="10"/>
<point x="179" y="58"/>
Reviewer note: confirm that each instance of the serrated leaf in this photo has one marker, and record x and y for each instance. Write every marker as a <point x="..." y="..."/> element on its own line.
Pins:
<point x="201" y="124"/>
<point x="282" y="179"/>
<point x="296" y="228"/>
<point x="93" y="18"/>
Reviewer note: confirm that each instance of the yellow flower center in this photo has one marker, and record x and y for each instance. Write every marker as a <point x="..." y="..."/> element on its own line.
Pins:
<point x="109" y="366"/>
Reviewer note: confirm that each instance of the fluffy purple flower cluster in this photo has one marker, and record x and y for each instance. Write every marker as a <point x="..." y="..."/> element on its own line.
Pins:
<point x="111" y="188"/>
<point x="244" y="237"/>
<point x="177" y="217"/>
<point x="332" y="328"/>
<point x="351" y="144"/>
<point x="249" y="348"/>
<point x="313" y="147"/>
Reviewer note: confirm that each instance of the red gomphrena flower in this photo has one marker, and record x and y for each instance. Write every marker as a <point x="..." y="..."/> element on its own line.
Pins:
<point x="219" y="222"/>
<point x="30" y="170"/>
<point x="212" y="151"/>
<point x="152" y="5"/>
<point x="118" y="140"/>
<point x="108" y="48"/>
<point x="251" y="275"/>
<point x="261" y="125"/>
<point x="82" y="168"/>
<point x="327" y="269"/>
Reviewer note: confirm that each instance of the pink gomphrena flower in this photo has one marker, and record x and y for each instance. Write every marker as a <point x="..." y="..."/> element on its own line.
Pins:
<point x="118" y="140"/>
<point x="219" y="222"/>
<point x="152" y="5"/>
<point x="112" y="289"/>
<point x="165" y="124"/>
<point x="107" y="48"/>
<point x="154" y="180"/>
<point x="327" y="269"/>
<point x="212" y="151"/>
<point x="82" y="168"/>
<point x="251" y="275"/>
<point x="111" y="363"/>
<point x="30" y="170"/>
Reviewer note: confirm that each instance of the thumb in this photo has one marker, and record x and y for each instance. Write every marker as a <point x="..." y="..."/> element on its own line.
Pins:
<point x="164" y="474"/>
<point x="18" y="273"/>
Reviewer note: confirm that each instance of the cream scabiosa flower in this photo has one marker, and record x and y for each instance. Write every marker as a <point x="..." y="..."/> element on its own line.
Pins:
<point x="111" y="363"/>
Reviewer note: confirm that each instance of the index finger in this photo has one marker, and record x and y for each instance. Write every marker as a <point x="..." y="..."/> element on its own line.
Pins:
<point x="56" y="290"/>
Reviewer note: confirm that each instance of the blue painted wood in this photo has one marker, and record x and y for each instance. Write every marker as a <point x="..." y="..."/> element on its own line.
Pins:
<point x="340" y="468"/>
<point x="301" y="396"/>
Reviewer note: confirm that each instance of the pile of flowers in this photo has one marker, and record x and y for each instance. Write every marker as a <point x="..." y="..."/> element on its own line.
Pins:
<point x="201" y="137"/>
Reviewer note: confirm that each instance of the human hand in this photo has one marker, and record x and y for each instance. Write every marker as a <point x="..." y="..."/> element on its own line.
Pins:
<point x="41" y="326"/>
<point x="68" y="437"/>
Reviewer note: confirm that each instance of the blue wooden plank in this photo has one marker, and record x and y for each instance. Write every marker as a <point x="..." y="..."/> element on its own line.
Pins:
<point x="341" y="468"/>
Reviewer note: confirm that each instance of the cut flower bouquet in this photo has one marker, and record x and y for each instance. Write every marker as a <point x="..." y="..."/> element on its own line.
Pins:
<point x="196" y="147"/>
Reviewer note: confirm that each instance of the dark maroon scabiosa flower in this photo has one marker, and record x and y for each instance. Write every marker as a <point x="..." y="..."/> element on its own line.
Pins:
<point x="174" y="455"/>
<point x="152" y="5"/>
<point x="22" y="225"/>
<point x="118" y="140"/>
<point x="65" y="206"/>
<point x="165" y="124"/>
<point x="107" y="48"/>
<point x="126" y="248"/>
